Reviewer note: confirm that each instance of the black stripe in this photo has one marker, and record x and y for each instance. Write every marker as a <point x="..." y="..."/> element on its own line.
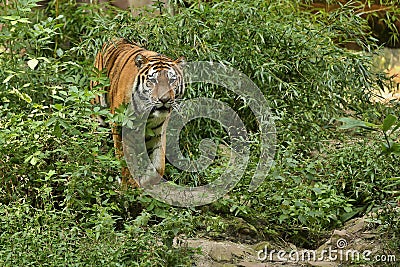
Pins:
<point x="133" y="54"/>
<point x="135" y="106"/>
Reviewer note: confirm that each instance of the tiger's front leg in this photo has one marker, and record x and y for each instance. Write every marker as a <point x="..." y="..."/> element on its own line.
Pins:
<point x="156" y="147"/>
<point x="158" y="156"/>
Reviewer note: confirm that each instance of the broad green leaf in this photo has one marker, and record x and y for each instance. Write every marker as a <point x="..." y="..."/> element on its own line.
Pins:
<point x="59" y="52"/>
<point x="33" y="160"/>
<point x="317" y="190"/>
<point x="392" y="147"/>
<point x="57" y="130"/>
<point x="24" y="20"/>
<point x="98" y="232"/>
<point x="15" y="19"/>
<point x="160" y="212"/>
<point x="58" y="106"/>
<point x="51" y="121"/>
<point x="64" y="124"/>
<point x="349" y="123"/>
<point x="388" y="122"/>
<point x="349" y="214"/>
<point x="348" y="209"/>
<point x="395" y="148"/>
<point x="10" y="17"/>
<point x="150" y="132"/>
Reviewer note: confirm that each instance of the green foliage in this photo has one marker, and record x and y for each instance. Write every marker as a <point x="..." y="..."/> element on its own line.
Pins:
<point x="388" y="130"/>
<point x="59" y="188"/>
<point x="293" y="61"/>
<point x="382" y="15"/>
<point x="53" y="238"/>
<point x="61" y="203"/>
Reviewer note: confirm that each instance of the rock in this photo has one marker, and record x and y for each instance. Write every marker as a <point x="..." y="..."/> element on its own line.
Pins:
<point x="263" y="245"/>
<point x="251" y="264"/>
<point x="355" y="226"/>
<point x="220" y="253"/>
<point x="352" y="239"/>
<point x="323" y="264"/>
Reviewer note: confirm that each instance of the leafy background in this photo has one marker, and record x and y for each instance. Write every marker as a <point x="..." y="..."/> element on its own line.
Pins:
<point x="61" y="203"/>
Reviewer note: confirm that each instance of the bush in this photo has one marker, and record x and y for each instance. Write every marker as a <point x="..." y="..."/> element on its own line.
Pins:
<point x="58" y="169"/>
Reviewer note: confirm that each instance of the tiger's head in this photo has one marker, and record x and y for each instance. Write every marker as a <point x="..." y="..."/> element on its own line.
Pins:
<point x="159" y="83"/>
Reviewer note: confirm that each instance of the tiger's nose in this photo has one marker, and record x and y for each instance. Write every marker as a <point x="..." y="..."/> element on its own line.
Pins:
<point x="164" y="98"/>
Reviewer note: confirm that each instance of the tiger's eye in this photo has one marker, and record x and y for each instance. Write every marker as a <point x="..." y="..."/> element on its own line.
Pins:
<point x="150" y="81"/>
<point x="172" y="79"/>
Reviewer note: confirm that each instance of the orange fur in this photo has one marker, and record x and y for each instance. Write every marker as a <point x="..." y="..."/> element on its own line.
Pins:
<point x="124" y="63"/>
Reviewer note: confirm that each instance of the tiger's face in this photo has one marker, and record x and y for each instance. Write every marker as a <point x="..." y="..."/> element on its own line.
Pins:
<point x="158" y="85"/>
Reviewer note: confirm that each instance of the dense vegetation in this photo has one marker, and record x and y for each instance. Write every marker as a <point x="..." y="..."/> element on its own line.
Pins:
<point x="60" y="202"/>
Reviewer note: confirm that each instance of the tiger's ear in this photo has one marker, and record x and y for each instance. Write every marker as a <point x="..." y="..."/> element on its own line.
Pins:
<point x="141" y="60"/>
<point x="181" y="61"/>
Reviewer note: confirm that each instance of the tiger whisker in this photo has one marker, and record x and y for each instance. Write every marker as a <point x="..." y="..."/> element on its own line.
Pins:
<point x="176" y="107"/>
<point x="148" y="106"/>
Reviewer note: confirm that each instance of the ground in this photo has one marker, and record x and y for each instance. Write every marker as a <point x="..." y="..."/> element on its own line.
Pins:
<point x="347" y="245"/>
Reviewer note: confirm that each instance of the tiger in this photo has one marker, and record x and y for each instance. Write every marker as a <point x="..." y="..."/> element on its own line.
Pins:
<point x="150" y="82"/>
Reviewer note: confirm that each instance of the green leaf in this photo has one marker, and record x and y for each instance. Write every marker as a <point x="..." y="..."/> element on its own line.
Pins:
<point x="283" y="217"/>
<point x="160" y="213"/>
<point x="395" y="149"/>
<point x="396" y="127"/>
<point x="392" y="147"/>
<point x="388" y="122"/>
<point x="349" y="123"/>
<point x="10" y="17"/>
<point x="150" y="132"/>
<point x="49" y="174"/>
<point x="22" y="95"/>
<point x="348" y="209"/>
<point x="57" y="130"/>
<point x="317" y="190"/>
<point x="58" y="106"/>
<point x="24" y="20"/>
<point x="59" y="52"/>
<point x="45" y="59"/>
<point x="6" y="80"/>
<point x="33" y="161"/>
<point x="349" y="214"/>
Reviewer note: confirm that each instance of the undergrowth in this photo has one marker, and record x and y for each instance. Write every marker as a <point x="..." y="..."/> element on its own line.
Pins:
<point x="61" y="203"/>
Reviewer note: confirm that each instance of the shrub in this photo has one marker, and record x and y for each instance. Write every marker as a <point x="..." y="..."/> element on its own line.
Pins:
<point x="58" y="169"/>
